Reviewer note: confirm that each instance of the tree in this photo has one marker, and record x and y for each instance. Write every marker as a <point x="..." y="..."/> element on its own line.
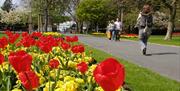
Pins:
<point x="71" y="10"/>
<point x="7" y="6"/>
<point x="166" y="6"/>
<point x="13" y="17"/>
<point x="46" y="11"/>
<point x="97" y="12"/>
<point x="171" y="5"/>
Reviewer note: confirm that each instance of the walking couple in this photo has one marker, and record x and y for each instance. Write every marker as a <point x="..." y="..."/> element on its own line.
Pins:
<point x="114" y="29"/>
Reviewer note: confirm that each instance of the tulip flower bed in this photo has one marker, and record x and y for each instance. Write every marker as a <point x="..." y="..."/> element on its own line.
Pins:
<point x="48" y="63"/>
<point x="54" y="34"/>
<point x="129" y="35"/>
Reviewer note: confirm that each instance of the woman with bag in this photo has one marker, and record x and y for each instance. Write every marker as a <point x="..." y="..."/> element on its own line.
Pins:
<point x="144" y="24"/>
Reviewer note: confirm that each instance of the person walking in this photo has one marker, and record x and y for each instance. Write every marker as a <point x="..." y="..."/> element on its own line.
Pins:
<point x="109" y="30"/>
<point x="118" y="29"/>
<point x="113" y="29"/>
<point x="144" y="25"/>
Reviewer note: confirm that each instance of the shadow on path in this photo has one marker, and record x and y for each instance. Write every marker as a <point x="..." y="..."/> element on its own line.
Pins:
<point x="165" y="53"/>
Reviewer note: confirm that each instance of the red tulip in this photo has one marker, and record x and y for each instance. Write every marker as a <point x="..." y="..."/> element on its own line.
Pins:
<point x="75" y="38"/>
<point x="24" y="34"/>
<point x="46" y="48"/>
<point x="20" y="60"/>
<point x="81" y="48"/>
<point x="8" y="32"/>
<point x="78" y="49"/>
<point x="51" y="40"/>
<point x="109" y="74"/>
<point x="68" y="39"/>
<point x="82" y="67"/>
<point x="45" y="43"/>
<point x="29" y="80"/>
<point x="74" y="49"/>
<point x="12" y="38"/>
<point x="1" y="59"/>
<point x="3" y="42"/>
<point x="18" y="44"/>
<point x="36" y="34"/>
<point x="65" y="46"/>
<point x="53" y="64"/>
<point x="71" y="39"/>
<point x="60" y="40"/>
<point x="27" y="41"/>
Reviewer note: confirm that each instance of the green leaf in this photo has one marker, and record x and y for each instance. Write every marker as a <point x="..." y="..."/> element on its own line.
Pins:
<point x="1" y="77"/>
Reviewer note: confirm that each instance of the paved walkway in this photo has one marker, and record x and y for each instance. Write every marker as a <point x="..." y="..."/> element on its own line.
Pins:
<point x="164" y="60"/>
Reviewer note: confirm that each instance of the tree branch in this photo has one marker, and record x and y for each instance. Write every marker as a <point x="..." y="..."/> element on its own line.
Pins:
<point x="174" y="2"/>
<point x="166" y="4"/>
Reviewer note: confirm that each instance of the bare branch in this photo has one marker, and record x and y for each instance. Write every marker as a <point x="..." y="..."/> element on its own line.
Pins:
<point x="173" y="2"/>
<point x="166" y="4"/>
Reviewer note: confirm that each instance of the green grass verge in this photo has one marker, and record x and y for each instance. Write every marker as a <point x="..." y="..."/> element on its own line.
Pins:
<point x="159" y="39"/>
<point x="138" y="78"/>
<point x="1" y="34"/>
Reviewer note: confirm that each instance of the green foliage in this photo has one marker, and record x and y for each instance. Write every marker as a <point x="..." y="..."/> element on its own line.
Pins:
<point x="95" y="11"/>
<point x="59" y="18"/>
<point x="55" y="8"/>
<point x="130" y="18"/>
<point x="7" y="6"/>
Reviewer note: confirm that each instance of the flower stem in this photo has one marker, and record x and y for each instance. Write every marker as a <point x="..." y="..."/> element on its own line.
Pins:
<point x="90" y="86"/>
<point x="8" y="84"/>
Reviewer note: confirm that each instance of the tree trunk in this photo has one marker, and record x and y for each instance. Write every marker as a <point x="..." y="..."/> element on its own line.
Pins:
<point x="46" y="16"/>
<point x="171" y="24"/>
<point x="30" y="24"/>
<point x="80" y="26"/>
<point x="46" y="20"/>
<point x="50" y="24"/>
<point x="77" y="27"/>
<point x="169" y="31"/>
<point x="122" y="17"/>
<point x="97" y="27"/>
<point x="39" y="23"/>
<point x="30" y="19"/>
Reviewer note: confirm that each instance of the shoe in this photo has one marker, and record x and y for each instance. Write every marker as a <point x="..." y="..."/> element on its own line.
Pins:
<point x="144" y="51"/>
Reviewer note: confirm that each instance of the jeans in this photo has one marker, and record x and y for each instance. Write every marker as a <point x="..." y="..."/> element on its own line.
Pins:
<point x="113" y="35"/>
<point x="143" y="38"/>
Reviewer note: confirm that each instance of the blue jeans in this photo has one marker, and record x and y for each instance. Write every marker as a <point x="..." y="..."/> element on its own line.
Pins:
<point x="113" y="35"/>
<point x="143" y="38"/>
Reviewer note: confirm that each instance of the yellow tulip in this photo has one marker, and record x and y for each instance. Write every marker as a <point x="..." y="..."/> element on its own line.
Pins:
<point x="59" y="84"/>
<point x="53" y="73"/>
<point x="68" y="78"/>
<point x="98" y="89"/>
<point x="47" y="86"/>
<point x="79" y="80"/>
<point x="41" y="80"/>
<point x="70" y="86"/>
<point x="59" y="89"/>
<point x="72" y="64"/>
<point x="16" y="89"/>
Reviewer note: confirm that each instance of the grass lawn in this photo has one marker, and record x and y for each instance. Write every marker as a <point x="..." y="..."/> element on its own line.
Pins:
<point x="138" y="78"/>
<point x="159" y="39"/>
<point x="1" y="35"/>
